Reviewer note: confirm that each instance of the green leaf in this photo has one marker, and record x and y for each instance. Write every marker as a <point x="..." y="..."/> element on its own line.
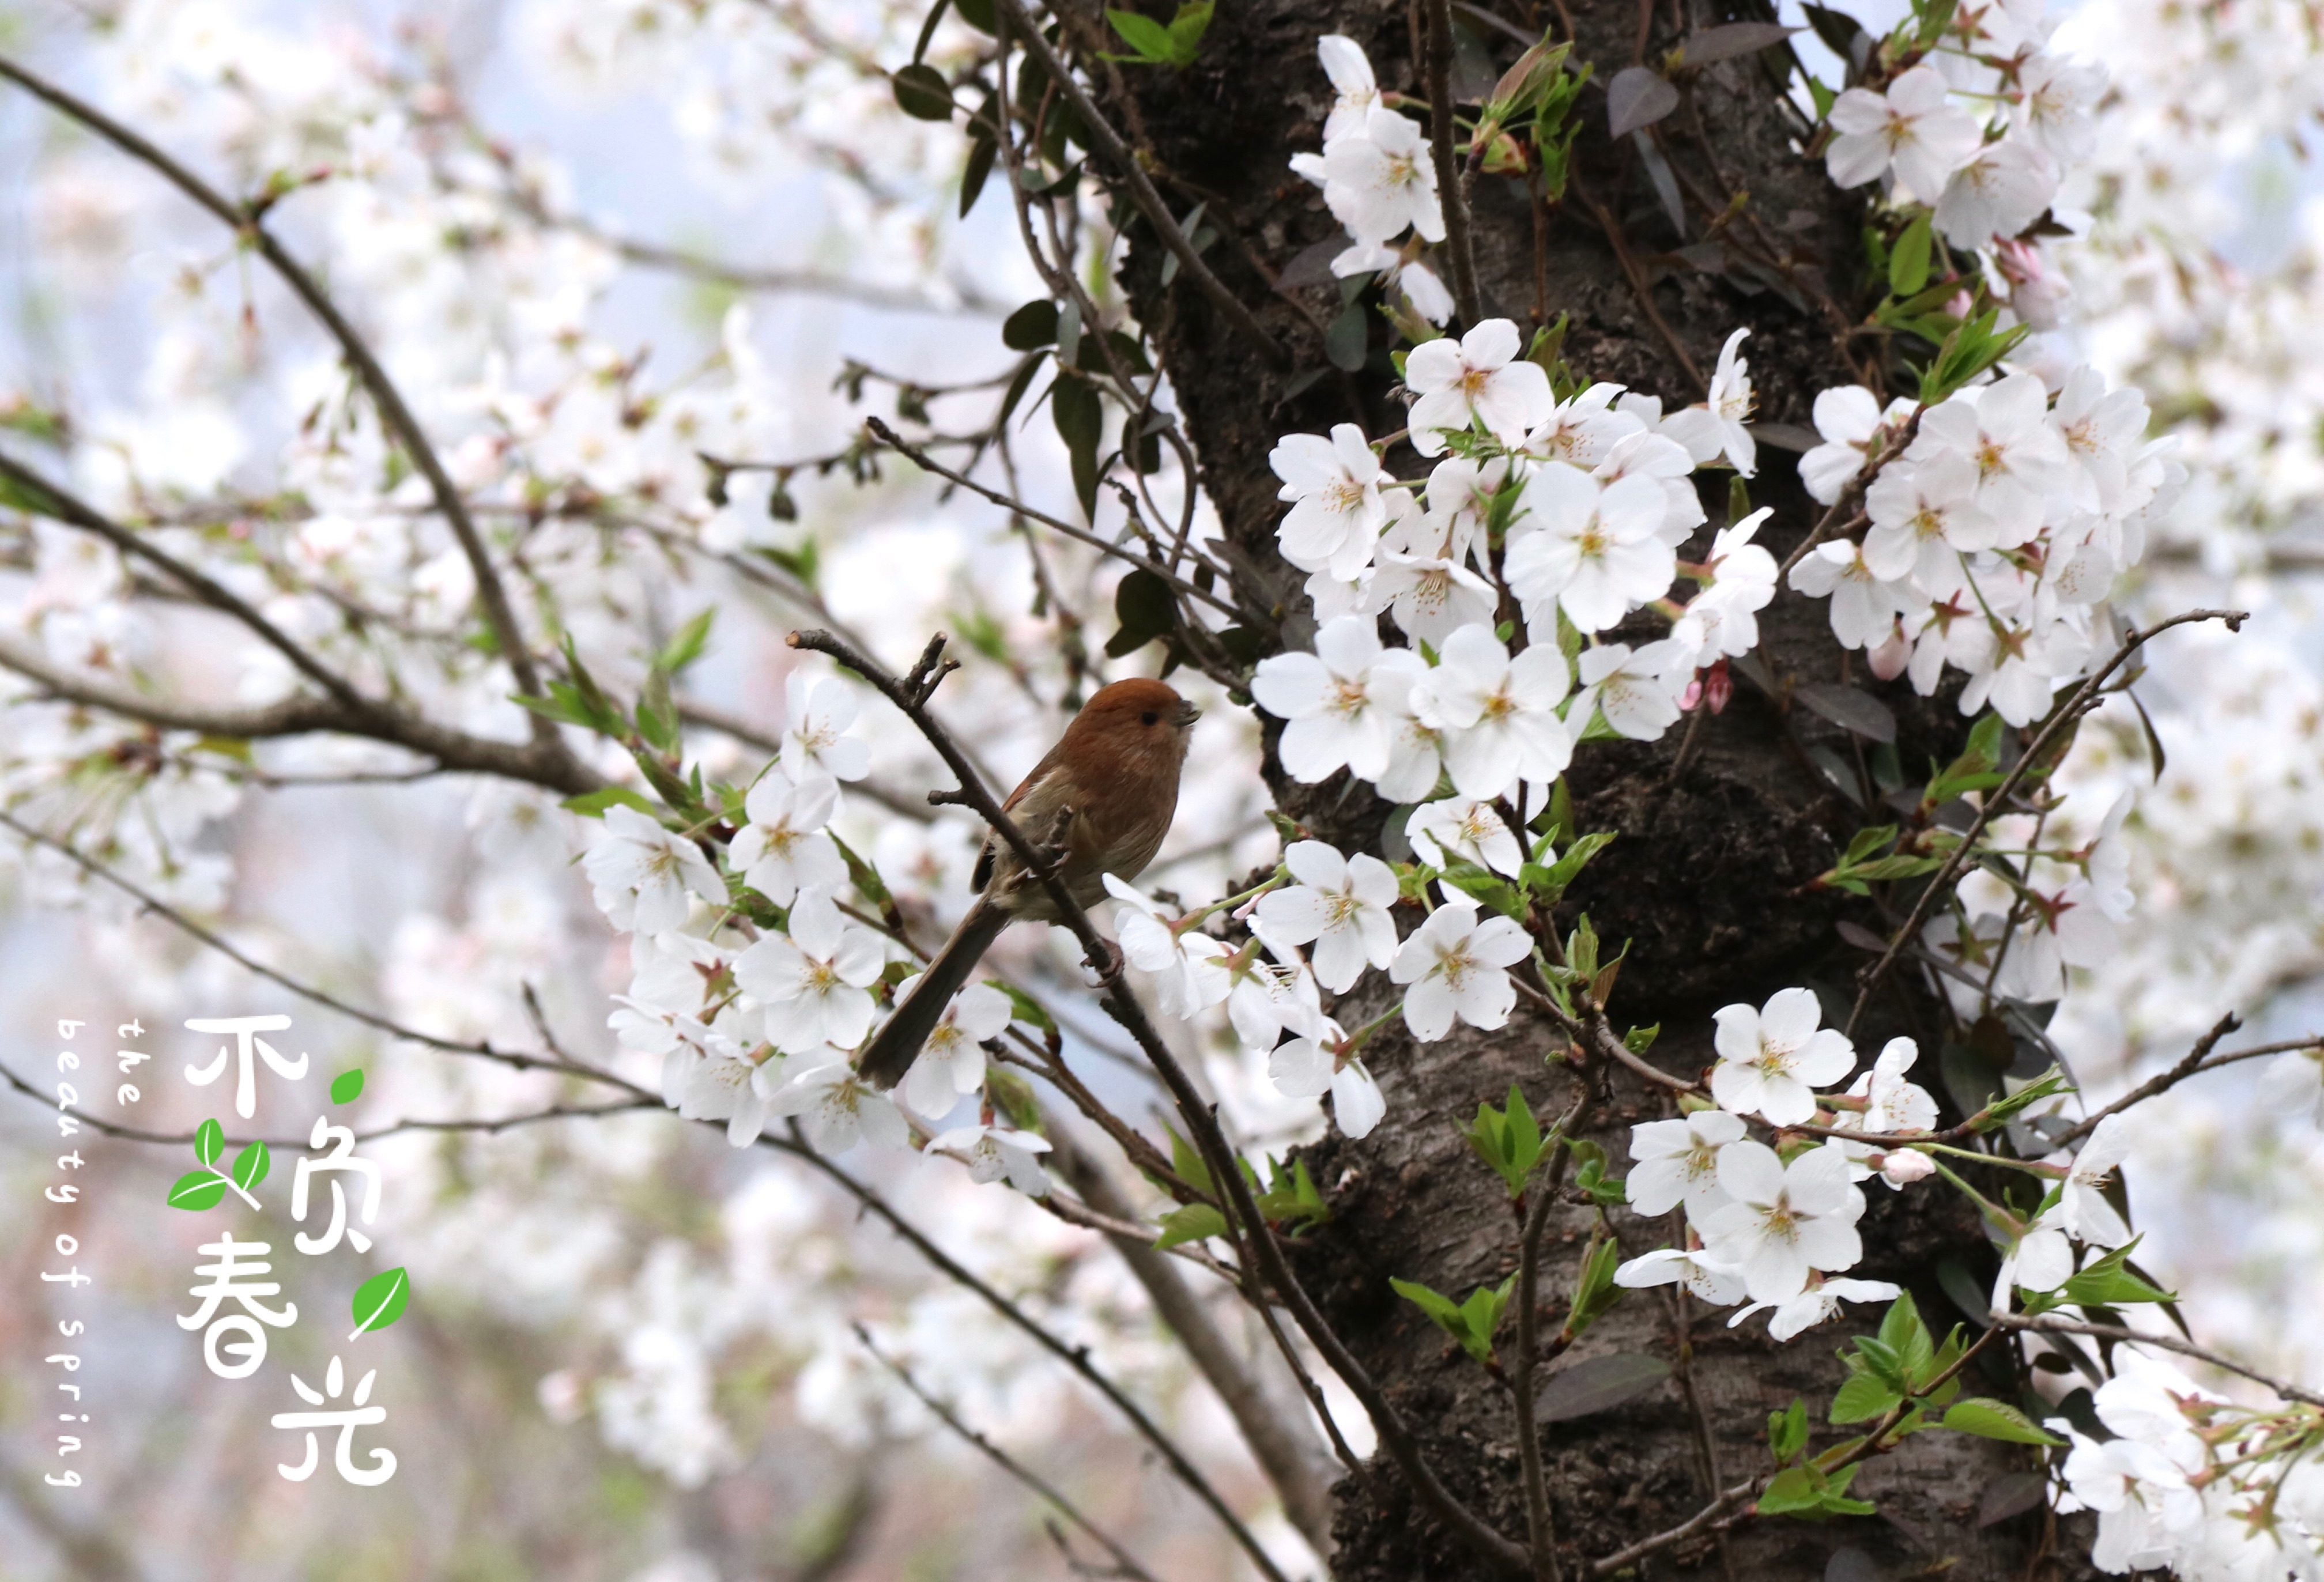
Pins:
<point x="922" y="93"/>
<point x="1148" y="37"/>
<point x="1186" y="1161"/>
<point x="1441" y="1307"/>
<point x="593" y="804"/>
<point x="1025" y="1008"/>
<point x="198" y="1189"/>
<point x="1568" y="867"/>
<point x="1347" y="341"/>
<point x="1902" y="1331"/>
<point x="1908" y="265"/>
<point x="1145" y="607"/>
<point x="379" y="1300"/>
<point x="1080" y="417"/>
<point x="863" y="876"/>
<point x="2107" y="1281"/>
<point x="1787" y="1432"/>
<point x="1997" y="1420"/>
<point x="346" y="1086"/>
<point x="209" y="1143"/>
<point x="1031" y="326"/>
<point x="1595" y="1294"/>
<point x="1863" y="1397"/>
<point x="251" y="1166"/>
<point x="1194" y="1222"/>
<point x="686" y="645"/>
<point x="1159" y="45"/>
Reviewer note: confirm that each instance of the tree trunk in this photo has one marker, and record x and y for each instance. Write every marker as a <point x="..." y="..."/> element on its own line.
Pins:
<point x="1705" y="881"/>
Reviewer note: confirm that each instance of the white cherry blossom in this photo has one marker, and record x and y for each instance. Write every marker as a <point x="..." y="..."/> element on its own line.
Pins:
<point x="1597" y="551"/>
<point x="1468" y="830"/>
<point x="1913" y="129"/>
<point x="1772" y="1060"/>
<point x="1455" y="966"/>
<point x="1343" y="701"/>
<point x="1676" y="1162"/>
<point x="838" y="1109"/>
<point x="1307" y="1068"/>
<point x="643" y="873"/>
<point x="1337" y="512"/>
<point x="784" y="848"/>
<point x="1340" y="908"/>
<point x="1497" y="715"/>
<point x="1786" y="1220"/>
<point x="1997" y="194"/>
<point x="992" y="1153"/>
<point x="814" y="981"/>
<point x="1477" y="377"/>
<point x="1351" y="77"/>
<point x="1189" y="966"/>
<point x="1705" y="1276"/>
<point x="815" y="740"/>
<point x="952" y="1062"/>
<point x="1634" y="689"/>
<point x="1381" y="179"/>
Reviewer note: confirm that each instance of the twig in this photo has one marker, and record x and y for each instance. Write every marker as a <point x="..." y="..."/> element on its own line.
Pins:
<point x="2198" y="1059"/>
<point x="1006" y="1462"/>
<point x="245" y="220"/>
<point x="520" y="1060"/>
<point x="1451" y="194"/>
<point x="1709" y="1515"/>
<point x="489" y="1125"/>
<point x="902" y="446"/>
<point x="1395" y="1434"/>
<point x="1141" y="190"/>
<point x="1616" y="239"/>
<point x="2070" y="711"/>
<point x="1541" y="1531"/>
<point x="2039" y="1323"/>
<point x="1076" y="1357"/>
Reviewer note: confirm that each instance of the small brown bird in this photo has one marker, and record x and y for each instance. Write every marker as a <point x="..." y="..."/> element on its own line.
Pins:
<point x="1113" y="776"/>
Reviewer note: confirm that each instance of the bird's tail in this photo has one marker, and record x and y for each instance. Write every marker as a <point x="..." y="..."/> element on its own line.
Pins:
<point x="896" y="1045"/>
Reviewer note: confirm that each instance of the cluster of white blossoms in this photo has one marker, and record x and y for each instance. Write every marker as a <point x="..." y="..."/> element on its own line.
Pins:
<point x="1982" y="129"/>
<point x="1777" y="1224"/>
<point x="1379" y="181"/>
<point x="2190" y="1482"/>
<point x="1993" y="536"/>
<point x="754" y="1026"/>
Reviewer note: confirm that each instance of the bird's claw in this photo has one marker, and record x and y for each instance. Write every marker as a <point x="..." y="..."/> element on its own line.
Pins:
<point x="1109" y="971"/>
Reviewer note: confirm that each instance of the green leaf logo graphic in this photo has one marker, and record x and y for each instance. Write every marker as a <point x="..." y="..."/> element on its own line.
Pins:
<point x="346" y="1086"/>
<point x="250" y="1165"/>
<point x="209" y="1142"/>
<point x="379" y="1300"/>
<point x="198" y="1189"/>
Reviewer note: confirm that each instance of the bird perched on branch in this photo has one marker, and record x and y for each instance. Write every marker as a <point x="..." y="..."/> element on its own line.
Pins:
<point x="1105" y="795"/>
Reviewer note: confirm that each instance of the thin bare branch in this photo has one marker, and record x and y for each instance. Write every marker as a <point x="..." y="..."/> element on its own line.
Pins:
<point x="2198" y="1061"/>
<point x="2038" y="1323"/>
<point x="1712" y="1515"/>
<point x="1451" y="193"/>
<point x="1076" y="1357"/>
<point x="521" y="1059"/>
<point x="1009" y="1464"/>
<point x="2072" y="709"/>
<point x="921" y="458"/>
<point x="489" y="1125"/>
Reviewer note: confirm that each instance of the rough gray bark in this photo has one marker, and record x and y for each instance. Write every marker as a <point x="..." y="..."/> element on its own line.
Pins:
<point x="1705" y="880"/>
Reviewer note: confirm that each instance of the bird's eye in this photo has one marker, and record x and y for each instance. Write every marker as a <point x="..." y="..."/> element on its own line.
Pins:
<point x="1148" y="717"/>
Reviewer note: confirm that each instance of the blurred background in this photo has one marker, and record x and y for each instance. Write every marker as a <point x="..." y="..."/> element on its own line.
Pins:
<point x="590" y="238"/>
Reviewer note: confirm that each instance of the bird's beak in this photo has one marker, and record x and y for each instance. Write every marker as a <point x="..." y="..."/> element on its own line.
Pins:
<point x="1188" y="714"/>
